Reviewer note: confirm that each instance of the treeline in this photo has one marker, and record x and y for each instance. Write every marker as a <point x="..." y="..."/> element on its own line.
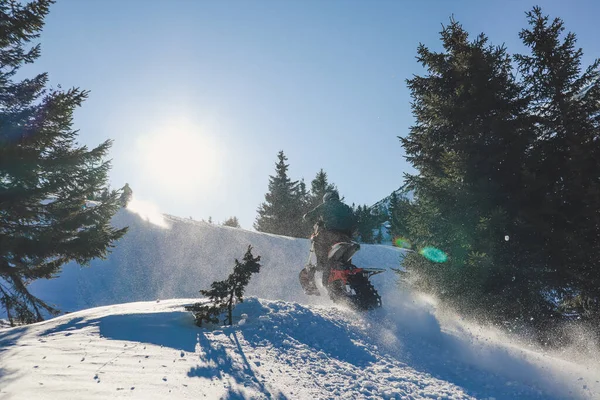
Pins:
<point x="507" y="149"/>
<point x="287" y="201"/>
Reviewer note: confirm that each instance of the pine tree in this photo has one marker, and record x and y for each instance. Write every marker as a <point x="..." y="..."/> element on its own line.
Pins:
<point x="469" y="143"/>
<point x="304" y="228"/>
<point x="105" y="194"/>
<point x="126" y="195"/>
<point x="45" y="176"/>
<point x="398" y="215"/>
<point x="318" y="187"/>
<point x="379" y="236"/>
<point x="302" y="192"/>
<point x="367" y="222"/>
<point x="563" y="189"/>
<point x="394" y="214"/>
<point x="282" y="211"/>
<point x="232" y="222"/>
<point x="224" y="295"/>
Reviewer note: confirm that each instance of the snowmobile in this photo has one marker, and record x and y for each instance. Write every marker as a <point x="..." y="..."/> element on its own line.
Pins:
<point x="344" y="282"/>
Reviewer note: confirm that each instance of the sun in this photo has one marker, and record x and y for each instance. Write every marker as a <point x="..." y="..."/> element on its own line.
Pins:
<point x="179" y="157"/>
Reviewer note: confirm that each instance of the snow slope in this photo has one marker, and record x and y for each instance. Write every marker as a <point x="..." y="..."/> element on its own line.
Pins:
<point x="153" y="350"/>
<point x="152" y="262"/>
<point x="283" y="350"/>
<point x="299" y="348"/>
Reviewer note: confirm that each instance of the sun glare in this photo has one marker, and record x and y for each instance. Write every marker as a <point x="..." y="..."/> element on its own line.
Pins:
<point x="180" y="158"/>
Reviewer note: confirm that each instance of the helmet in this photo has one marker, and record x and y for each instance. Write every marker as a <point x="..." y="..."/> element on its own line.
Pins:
<point x="329" y="196"/>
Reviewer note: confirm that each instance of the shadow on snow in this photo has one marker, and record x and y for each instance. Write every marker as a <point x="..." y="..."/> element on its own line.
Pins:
<point x="173" y="329"/>
<point x="218" y="363"/>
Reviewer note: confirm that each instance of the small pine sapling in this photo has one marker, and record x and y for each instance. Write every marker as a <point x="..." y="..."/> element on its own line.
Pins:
<point x="224" y="295"/>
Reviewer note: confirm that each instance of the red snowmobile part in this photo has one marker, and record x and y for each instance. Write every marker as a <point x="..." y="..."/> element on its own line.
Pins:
<point x="343" y="274"/>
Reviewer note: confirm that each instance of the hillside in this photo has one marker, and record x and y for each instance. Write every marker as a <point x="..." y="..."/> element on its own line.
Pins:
<point x="285" y="345"/>
<point x="174" y="258"/>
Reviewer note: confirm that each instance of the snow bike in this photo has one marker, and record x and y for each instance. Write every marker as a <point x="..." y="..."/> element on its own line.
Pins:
<point x="344" y="282"/>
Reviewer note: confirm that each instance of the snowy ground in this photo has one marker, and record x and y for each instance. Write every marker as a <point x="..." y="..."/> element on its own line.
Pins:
<point x="300" y="348"/>
<point x="152" y="350"/>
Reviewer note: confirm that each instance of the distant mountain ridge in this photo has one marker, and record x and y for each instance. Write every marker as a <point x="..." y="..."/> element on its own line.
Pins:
<point x="384" y="203"/>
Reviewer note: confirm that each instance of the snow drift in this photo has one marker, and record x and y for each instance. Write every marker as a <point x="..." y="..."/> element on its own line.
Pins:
<point x="283" y="350"/>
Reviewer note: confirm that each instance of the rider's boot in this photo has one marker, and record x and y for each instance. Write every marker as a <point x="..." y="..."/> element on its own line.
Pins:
<point x="307" y="280"/>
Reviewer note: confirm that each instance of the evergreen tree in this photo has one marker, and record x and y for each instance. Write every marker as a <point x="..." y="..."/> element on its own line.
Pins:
<point x="318" y="187"/>
<point x="282" y="211"/>
<point x="501" y="158"/>
<point x="232" y="222"/>
<point x="45" y="176"/>
<point x="469" y="143"/>
<point x="379" y="236"/>
<point x="394" y="215"/>
<point x="367" y="221"/>
<point x="563" y="189"/>
<point x="304" y="229"/>
<point x="392" y="208"/>
<point x="105" y="194"/>
<point x="224" y="295"/>
<point x="302" y="192"/>
<point x="398" y="214"/>
<point x="126" y="195"/>
<point x="310" y="200"/>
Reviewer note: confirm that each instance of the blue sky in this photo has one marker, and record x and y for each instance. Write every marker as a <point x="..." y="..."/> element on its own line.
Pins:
<point x="199" y="96"/>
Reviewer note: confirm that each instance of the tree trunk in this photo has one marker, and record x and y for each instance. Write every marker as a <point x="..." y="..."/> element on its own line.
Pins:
<point x="230" y="305"/>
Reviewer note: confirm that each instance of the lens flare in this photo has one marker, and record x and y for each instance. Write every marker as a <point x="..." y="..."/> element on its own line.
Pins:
<point x="402" y="243"/>
<point x="433" y="254"/>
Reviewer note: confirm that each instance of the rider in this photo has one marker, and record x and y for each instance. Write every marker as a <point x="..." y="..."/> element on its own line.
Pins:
<point x="335" y="222"/>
